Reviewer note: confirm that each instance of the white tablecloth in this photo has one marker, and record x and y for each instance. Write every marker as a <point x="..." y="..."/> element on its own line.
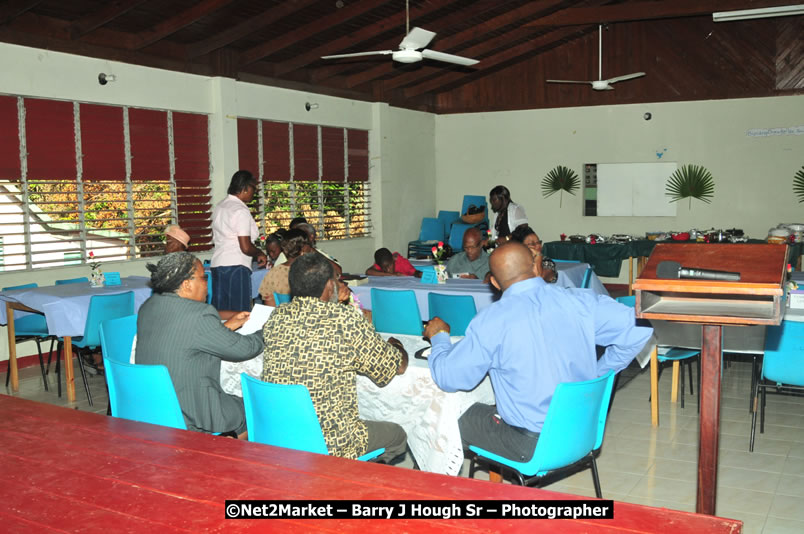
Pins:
<point x="66" y="306"/>
<point x="428" y="414"/>
<point x="569" y="275"/>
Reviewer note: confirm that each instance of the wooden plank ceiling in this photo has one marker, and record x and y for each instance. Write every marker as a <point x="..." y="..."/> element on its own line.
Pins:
<point x="520" y="44"/>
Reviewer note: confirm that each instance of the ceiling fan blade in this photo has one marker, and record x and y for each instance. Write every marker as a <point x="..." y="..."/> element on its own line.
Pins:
<point x="566" y="81"/>
<point x="417" y="38"/>
<point x="357" y="54"/>
<point x="449" y="58"/>
<point x="626" y="77"/>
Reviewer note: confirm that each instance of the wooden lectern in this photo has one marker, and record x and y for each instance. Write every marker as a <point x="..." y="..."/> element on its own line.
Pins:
<point x="755" y="300"/>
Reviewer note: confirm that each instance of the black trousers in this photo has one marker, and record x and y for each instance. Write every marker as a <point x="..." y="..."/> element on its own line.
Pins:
<point x="388" y="435"/>
<point x="482" y="427"/>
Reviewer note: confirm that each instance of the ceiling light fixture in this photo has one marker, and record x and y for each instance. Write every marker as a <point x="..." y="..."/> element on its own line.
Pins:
<point x="765" y="12"/>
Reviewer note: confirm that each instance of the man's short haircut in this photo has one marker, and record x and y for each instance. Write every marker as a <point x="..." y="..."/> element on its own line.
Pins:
<point x="240" y="182"/>
<point x="296" y="221"/>
<point x="294" y="242"/>
<point x="383" y="256"/>
<point x="521" y="232"/>
<point x="309" y="275"/>
<point x="502" y="192"/>
<point x="173" y="269"/>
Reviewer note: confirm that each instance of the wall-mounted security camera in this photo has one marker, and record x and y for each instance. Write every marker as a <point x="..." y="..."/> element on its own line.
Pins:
<point x="647" y="116"/>
<point x="104" y="78"/>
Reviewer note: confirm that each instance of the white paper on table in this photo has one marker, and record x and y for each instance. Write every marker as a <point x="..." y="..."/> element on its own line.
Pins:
<point x="259" y="315"/>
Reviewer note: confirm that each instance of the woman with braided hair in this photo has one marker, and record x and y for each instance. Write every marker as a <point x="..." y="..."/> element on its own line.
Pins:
<point x="178" y="329"/>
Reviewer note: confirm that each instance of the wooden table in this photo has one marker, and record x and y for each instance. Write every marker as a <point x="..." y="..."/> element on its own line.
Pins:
<point x="66" y="470"/>
<point x="754" y="300"/>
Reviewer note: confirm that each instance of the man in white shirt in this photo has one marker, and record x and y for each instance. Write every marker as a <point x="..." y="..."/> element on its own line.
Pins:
<point x="233" y="233"/>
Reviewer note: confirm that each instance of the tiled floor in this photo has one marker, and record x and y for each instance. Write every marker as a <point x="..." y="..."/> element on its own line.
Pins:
<point x="658" y="466"/>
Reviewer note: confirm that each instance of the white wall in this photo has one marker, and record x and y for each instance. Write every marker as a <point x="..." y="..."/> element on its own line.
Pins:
<point x="399" y="139"/>
<point x="753" y="175"/>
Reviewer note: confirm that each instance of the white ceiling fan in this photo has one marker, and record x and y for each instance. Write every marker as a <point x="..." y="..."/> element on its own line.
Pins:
<point x="600" y="84"/>
<point x="411" y="49"/>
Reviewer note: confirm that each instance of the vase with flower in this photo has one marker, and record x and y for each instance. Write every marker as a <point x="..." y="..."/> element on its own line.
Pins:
<point x="96" y="278"/>
<point x="439" y="255"/>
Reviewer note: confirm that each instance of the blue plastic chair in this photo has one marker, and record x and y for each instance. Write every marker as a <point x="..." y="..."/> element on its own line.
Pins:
<point x="281" y="298"/>
<point x="685" y="356"/>
<point x="587" y="278"/>
<point x="117" y="338"/>
<point x="283" y="415"/>
<point x="447" y="219"/>
<point x="456" y="310"/>
<point x="782" y="368"/>
<point x="431" y="229"/>
<point x="31" y="327"/>
<point x="143" y="393"/>
<point x="208" y="274"/>
<point x="101" y="308"/>
<point x="573" y="430"/>
<point x="565" y="261"/>
<point x="395" y="312"/>
<point x="78" y="280"/>
<point x="456" y="235"/>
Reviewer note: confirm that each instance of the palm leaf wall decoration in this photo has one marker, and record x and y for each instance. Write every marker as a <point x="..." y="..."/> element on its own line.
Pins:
<point x="558" y="180"/>
<point x="798" y="184"/>
<point x="691" y="181"/>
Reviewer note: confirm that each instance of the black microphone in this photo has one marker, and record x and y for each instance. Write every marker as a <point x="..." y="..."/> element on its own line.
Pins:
<point x="673" y="269"/>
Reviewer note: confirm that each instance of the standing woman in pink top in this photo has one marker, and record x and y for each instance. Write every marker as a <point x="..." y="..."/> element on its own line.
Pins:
<point x="233" y="233"/>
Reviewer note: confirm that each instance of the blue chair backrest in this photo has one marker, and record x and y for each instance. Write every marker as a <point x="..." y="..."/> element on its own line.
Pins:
<point x="281" y="298"/>
<point x="117" y="337"/>
<point x="628" y="300"/>
<point x="143" y="393"/>
<point x="575" y="423"/>
<point x="432" y="229"/>
<point x="208" y="274"/>
<point x="456" y="310"/>
<point x="477" y="200"/>
<point x="22" y="286"/>
<point x="102" y="308"/>
<point x="784" y="354"/>
<point x="565" y="261"/>
<point x="447" y="218"/>
<point x="456" y="235"/>
<point x="587" y="278"/>
<point x="281" y="415"/>
<point x="78" y="280"/>
<point x="396" y="312"/>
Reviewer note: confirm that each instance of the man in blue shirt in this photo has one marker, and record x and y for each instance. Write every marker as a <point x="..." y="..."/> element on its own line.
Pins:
<point x="535" y="337"/>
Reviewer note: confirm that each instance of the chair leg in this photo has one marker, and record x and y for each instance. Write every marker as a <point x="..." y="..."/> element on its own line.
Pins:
<point x="689" y="372"/>
<point x="84" y="377"/>
<point x="762" y="411"/>
<point x="58" y="365"/>
<point x="753" y="380"/>
<point x="754" y="419"/>
<point x="472" y="466"/>
<point x="595" y="477"/>
<point x="684" y="364"/>
<point x="41" y="361"/>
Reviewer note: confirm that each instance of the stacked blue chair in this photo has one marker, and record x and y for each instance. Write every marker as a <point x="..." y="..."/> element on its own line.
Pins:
<point x="448" y="218"/>
<point x="143" y="393"/>
<point x="101" y="308"/>
<point x="782" y="368"/>
<point x="431" y="230"/>
<point x="395" y="312"/>
<point x="685" y="356"/>
<point x="456" y="236"/>
<point x="31" y="327"/>
<point x="456" y="310"/>
<point x="475" y="200"/>
<point x="283" y="415"/>
<point x="572" y="432"/>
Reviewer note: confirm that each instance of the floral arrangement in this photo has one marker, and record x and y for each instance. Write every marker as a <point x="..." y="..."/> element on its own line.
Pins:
<point x="490" y="242"/>
<point x="259" y="243"/>
<point x="439" y="253"/>
<point x="96" y="278"/>
<point x="94" y="265"/>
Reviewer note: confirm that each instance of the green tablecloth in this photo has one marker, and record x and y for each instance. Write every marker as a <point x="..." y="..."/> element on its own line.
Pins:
<point x="606" y="258"/>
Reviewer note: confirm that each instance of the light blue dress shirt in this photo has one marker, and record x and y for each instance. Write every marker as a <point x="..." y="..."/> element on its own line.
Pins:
<point x="535" y="337"/>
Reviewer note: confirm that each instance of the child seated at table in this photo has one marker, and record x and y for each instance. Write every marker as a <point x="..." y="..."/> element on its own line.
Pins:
<point x="388" y="264"/>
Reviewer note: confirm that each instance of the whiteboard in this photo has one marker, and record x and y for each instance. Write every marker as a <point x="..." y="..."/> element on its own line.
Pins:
<point x="634" y="189"/>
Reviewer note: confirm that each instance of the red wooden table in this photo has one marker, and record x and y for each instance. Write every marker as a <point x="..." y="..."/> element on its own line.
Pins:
<point x="65" y="470"/>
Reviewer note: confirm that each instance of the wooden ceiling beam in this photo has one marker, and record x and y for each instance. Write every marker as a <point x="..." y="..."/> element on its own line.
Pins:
<point x="348" y="41"/>
<point x="651" y="10"/>
<point x="177" y="22"/>
<point x="98" y="18"/>
<point x="15" y="8"/>
<point x="486" y="66"/>
<point x="235" y="33"/>
<point x="511" y="17"/>
<point x="300" y="33"/>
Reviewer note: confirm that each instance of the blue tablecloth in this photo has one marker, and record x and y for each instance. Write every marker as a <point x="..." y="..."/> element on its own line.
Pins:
<point x="66" y="306"/>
